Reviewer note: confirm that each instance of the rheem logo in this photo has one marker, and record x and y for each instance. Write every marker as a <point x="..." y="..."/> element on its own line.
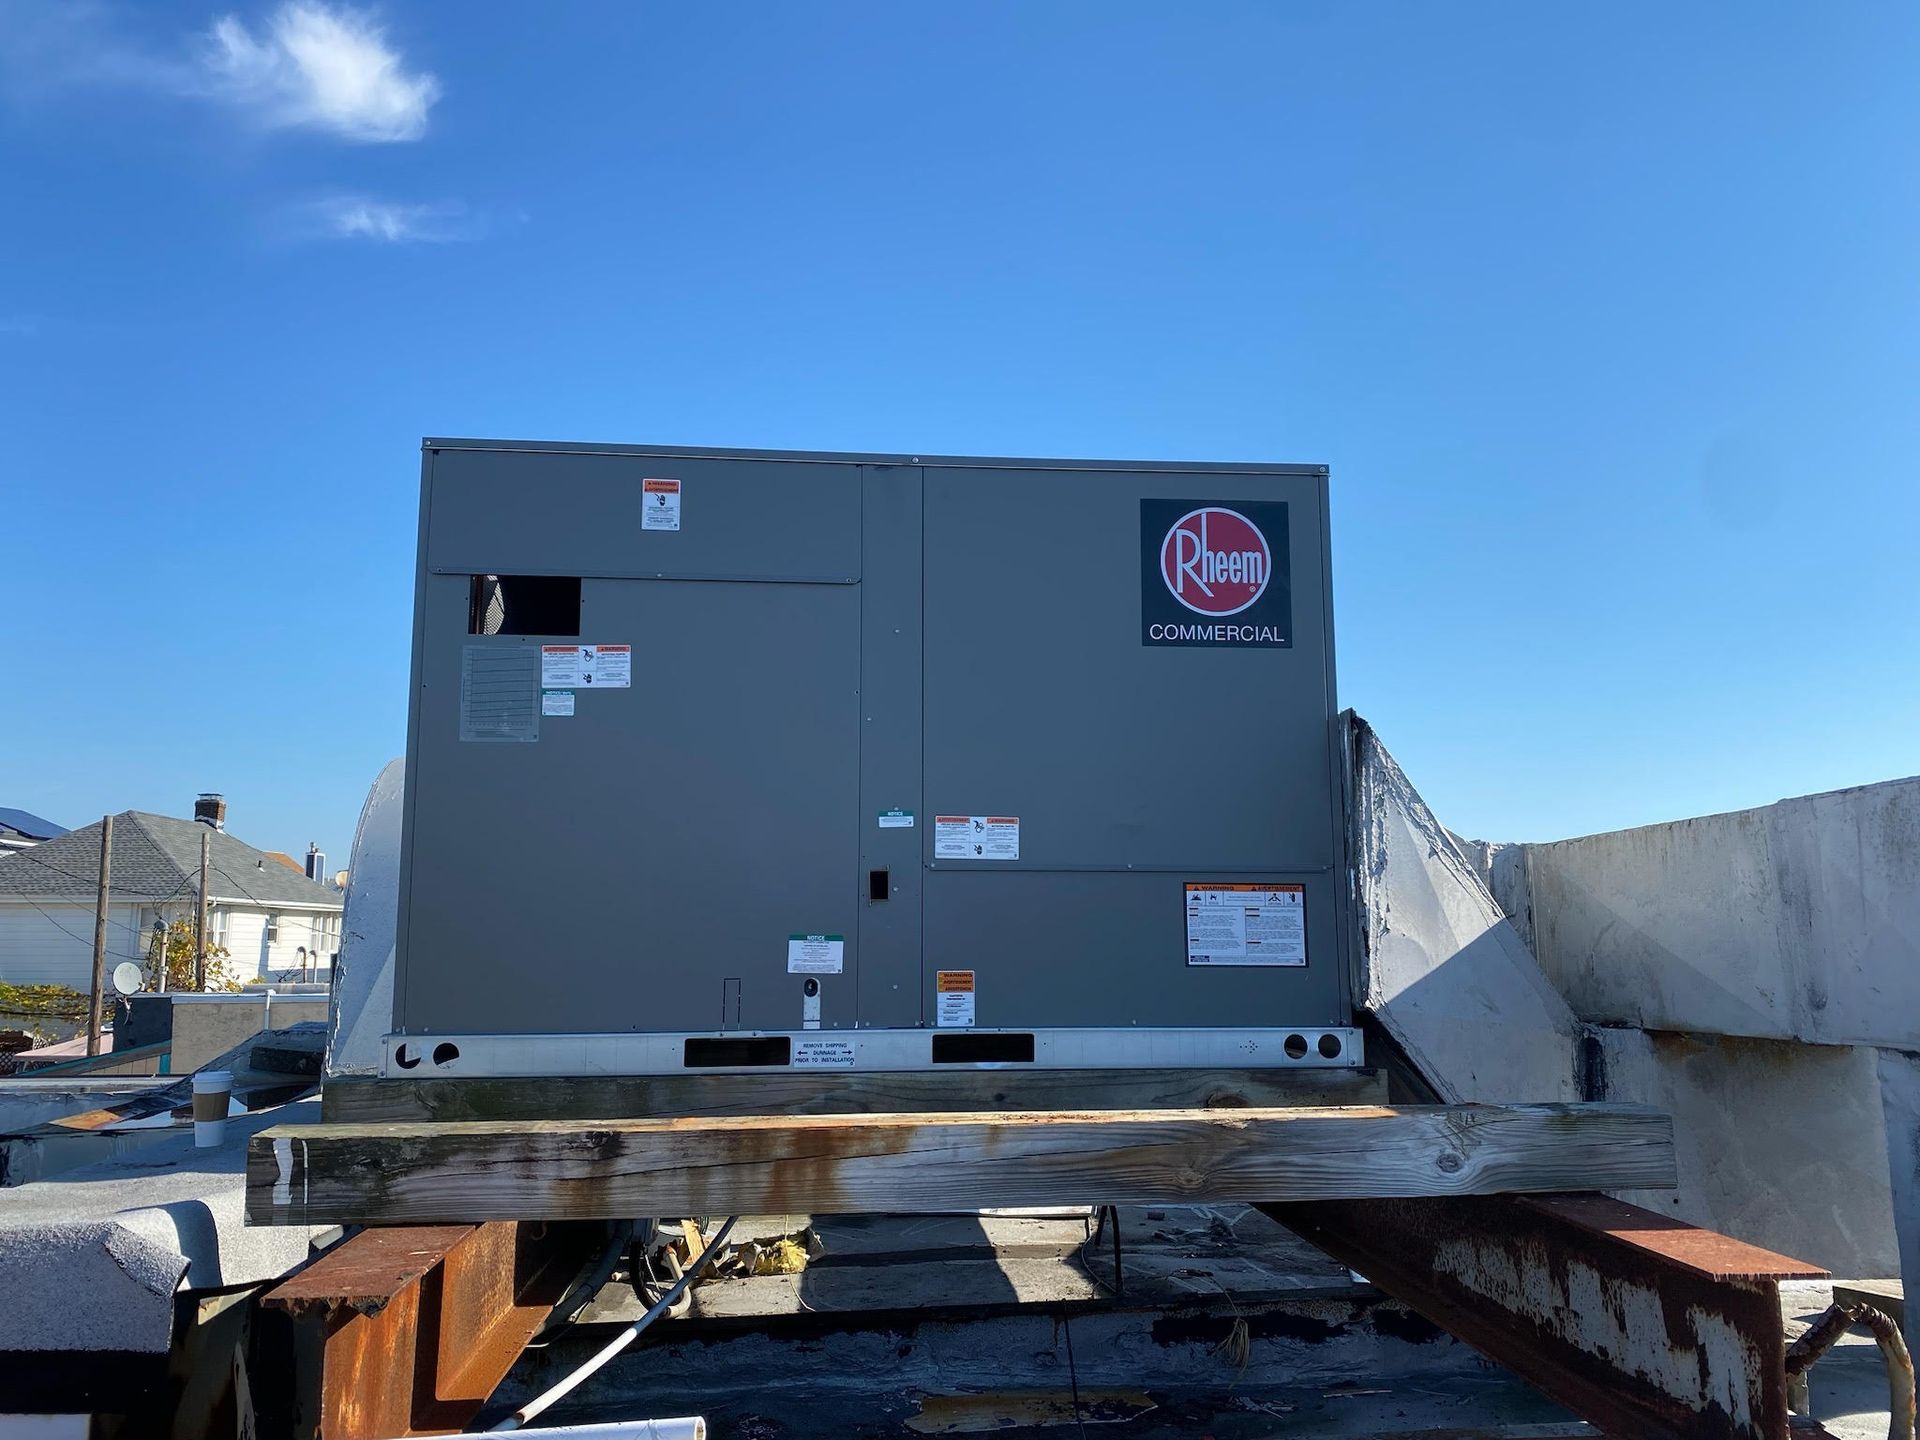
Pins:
<point x="1215" y="561"/>
<point x="1214" y="574"/>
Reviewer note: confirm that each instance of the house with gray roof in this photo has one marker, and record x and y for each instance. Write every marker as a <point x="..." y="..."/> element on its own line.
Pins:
<point x="273" y="920"/>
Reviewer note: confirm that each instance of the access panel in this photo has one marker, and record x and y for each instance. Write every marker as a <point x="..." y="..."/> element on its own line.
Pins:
<point x="1128" y="689"/>
<point x="638" y="853"/>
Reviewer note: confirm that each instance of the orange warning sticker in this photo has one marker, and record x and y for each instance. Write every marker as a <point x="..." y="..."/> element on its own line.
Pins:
<point x="953" y="1002"/>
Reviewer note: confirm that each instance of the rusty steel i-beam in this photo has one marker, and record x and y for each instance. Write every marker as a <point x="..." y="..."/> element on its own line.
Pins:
<point x="408" y="1330"/>
<point x="1638" y="1323"/>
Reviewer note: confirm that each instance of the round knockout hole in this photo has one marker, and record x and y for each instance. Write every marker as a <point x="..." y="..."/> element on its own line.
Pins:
<point x="446" y="1050"/>
<point x="406" y="1057"/>
<point x="1296" y="1047"/>
<point x="1330" y="1046"/>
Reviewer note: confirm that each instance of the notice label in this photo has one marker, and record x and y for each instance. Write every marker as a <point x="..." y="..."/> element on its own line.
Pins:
<point x="1246" y="925"/>
<point x="556" y="702"/>
<point x="896" y="819"/>
<point x="662" y="501"/>
<point x="815" y="954"/>
<point x="822" y="1055"/>
<point x="976" y="837"/>
<point x="585" y="667"/>
<point x="953" y="998"/>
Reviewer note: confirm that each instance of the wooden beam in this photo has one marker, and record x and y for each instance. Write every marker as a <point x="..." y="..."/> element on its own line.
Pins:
<point x="862" y="1164"/>
<point x="847" y="1092"/>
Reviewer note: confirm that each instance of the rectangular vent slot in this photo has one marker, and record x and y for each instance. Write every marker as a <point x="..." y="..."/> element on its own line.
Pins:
<point x="707" y="1053"/>
<point x="982" y="1049"/>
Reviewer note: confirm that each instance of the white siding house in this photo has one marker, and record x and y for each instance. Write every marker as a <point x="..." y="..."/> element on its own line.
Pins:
<point x="52" y="944"/>
<point x="276" y="923"/>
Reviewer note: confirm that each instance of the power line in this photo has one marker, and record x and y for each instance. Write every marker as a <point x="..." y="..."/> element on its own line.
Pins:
<point x="87" y="940"/>
<point x="178" y="890"/>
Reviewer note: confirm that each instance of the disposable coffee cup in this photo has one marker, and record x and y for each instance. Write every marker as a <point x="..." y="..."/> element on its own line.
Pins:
<point x="212" y="1091"/>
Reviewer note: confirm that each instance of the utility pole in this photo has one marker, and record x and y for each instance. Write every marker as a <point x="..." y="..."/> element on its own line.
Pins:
<point x="100" y="938"/>
<point x="200" y="914"/>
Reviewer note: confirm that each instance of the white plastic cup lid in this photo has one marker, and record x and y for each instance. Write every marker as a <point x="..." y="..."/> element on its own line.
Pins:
<point x="211" y="1082"/>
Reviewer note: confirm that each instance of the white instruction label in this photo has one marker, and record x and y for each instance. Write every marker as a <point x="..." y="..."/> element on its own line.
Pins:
<point x="662" y="501"/>
<point x="822" y="1055"/>
<point x="976" y="837"/>
<point x="896" y="819"/>
<point x="585" y="667"/>
<point x="815" y="954"/>
<point x="1246" y="925"/>
<point x="556" y="702"/>
<point x="953" y="997"/>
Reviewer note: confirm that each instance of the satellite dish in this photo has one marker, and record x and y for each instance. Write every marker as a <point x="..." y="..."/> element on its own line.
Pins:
<point x="126" y="977"/>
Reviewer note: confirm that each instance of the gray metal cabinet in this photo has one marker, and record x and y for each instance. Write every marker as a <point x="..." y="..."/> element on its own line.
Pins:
<point x="834" y="662"/>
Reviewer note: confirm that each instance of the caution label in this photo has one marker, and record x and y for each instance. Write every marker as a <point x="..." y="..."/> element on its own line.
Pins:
<point x="976" y="837"/>
<point x="953" y="998"/>
<point x="1246" y="925"/>
<point x="662" y="501"/>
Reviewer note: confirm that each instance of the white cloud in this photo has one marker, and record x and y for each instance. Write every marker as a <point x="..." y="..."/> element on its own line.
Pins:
<point x="322" y="68"/>
<point x="359" y="217"/>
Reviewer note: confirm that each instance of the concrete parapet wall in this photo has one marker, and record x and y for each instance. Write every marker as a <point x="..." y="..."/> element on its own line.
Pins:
<point x="1797" y="921"/>
<point x="1779" y="1143"/>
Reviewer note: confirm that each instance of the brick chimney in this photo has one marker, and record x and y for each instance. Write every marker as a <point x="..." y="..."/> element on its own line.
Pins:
<point x="211" y="809"/>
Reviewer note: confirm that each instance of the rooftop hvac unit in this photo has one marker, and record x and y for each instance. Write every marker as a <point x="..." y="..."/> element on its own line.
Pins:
<point x="730" y="760"/>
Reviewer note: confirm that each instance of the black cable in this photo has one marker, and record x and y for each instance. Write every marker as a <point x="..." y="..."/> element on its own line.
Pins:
<point x="94" y="880"/>
<point x="86" y="940"/>
<point x="1073" y="1375"/>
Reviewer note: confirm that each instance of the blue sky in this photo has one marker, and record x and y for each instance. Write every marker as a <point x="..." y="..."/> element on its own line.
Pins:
<point x="1604" y="315"/>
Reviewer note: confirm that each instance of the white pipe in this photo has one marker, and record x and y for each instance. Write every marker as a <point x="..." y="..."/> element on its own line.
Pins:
<point x="620" y="1342"/>
<point x="681" y="1427"/>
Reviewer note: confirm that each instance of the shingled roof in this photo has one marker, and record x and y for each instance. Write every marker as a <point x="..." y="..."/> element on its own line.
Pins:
<point x="156" y="859"/>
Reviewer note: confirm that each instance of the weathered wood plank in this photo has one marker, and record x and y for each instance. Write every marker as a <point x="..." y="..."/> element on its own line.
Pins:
<point x="859" y="1164"/>
<point x="639" y="1097"/>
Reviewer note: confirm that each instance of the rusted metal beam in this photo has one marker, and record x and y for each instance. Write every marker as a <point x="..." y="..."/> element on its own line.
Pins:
<point x="1643" y="1325"/>
<point x="408" y="1330"/>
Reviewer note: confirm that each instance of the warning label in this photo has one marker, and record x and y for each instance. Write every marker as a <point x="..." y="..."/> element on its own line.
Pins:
<point x="585" y="667"/>
<point x="953" y="998"/>
<point x="556" y="702"/>
<point x="662" y="501"/>
<point x="815" y="954"/>
<point x="822" y="1055"/>
<point x="976" y="837"/>
<point x="1246" y="925"/>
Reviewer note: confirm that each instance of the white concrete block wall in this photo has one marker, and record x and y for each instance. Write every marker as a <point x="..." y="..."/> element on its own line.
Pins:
<point x="1781" y="1144"/>
<point x="1797" y="921"/>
